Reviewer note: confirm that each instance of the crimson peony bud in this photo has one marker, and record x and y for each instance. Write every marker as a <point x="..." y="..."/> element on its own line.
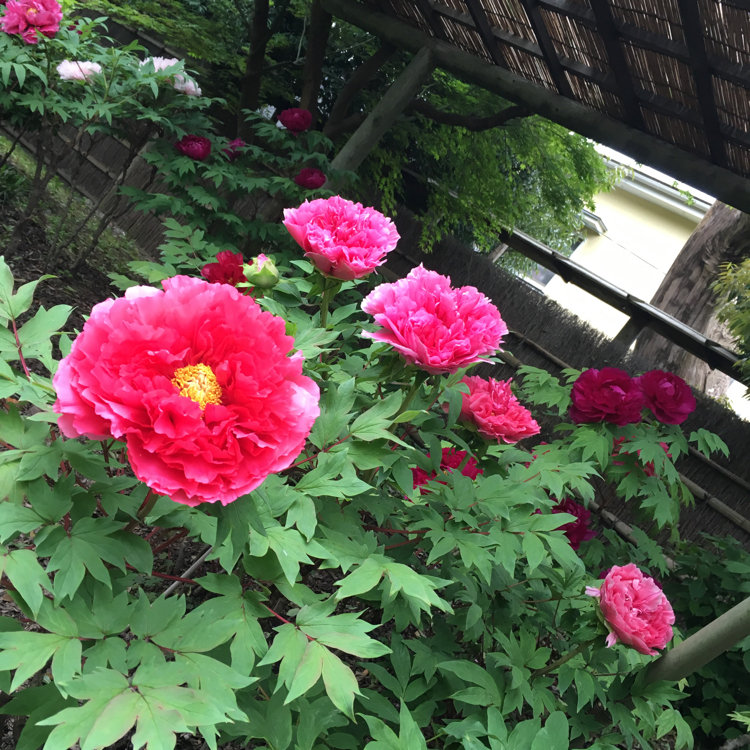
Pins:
<point x="310" y="178"/>
<point x="296" y="119"/>
<point x="195" y="146"/>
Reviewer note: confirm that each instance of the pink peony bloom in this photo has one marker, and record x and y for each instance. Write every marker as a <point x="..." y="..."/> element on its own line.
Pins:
<point x="29" y="18"/>
<point x="310" y="178"/>
<point x="606" y="395"/>
<point x="491" y="406"/>
<point x="234" y="148"/>
<point x="667" y="395"/>
<point x="433" y="325"/>
<point x="579" y="530"/>
<point x="195" y="146"/>
<point x="186" y="85"/>
<point x="78" y="70"/>
<point x="226" y="270"/>
<point x="160" y="63"/>
<point x="341" y="238"/>
<point x="296" y="119"/>
<point x="197" y="380"/>
<point x="635" y="608"/>
<point x="451" y="459"/>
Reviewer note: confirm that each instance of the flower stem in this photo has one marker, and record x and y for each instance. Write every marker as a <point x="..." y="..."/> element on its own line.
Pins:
<point x="330" y="288"/>
<point x="563" y="659"/>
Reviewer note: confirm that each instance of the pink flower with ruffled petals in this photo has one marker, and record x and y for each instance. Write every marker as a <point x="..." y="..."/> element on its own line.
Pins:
<point x="450" y="459"/>
<point x="606" y="395"/>
<point x="635" y="608"/>
<point x="437" y="327"/>
<point x="497" y="414"/>
<point x="29" y="18"/>
<point x="197" y="380"/>
<point x="78" y="70"/>
<point x="160" y="63"/>
<point x="341" y="238"/>
<point x="667" y="395"/>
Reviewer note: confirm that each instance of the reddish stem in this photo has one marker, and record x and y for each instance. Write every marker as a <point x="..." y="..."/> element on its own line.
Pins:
<point x="179" y="535"/>
<point x="18" y="347"/>
<point x="164" y="575"/>
<point x="287" y="622"/>
<point x="325" y="450"/>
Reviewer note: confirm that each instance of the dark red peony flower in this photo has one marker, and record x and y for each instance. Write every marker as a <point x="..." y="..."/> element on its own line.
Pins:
<point x="226" y="270"/>
<point x="195" y="146"/>
<point x="310" y="178"/>
<point x="296" y="119"/>
<point x="197" y="380"/>
<point x="451" y="459"/>
<point x="29" y="18"/>
<point x="234" y="149"/>
<point x="579" y="530"/>
<point x="606" y="395"/>
<point x="667" y="395"/>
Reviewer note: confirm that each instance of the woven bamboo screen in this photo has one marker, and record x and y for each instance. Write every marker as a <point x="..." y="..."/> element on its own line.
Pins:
<point x="678" y="70"/>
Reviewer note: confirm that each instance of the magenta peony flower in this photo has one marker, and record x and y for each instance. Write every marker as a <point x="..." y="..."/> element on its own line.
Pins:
<point x="29" y="18"/>
<point x="78" y="70"/>
<point x="491" y="406"/>
<point x="197" y="380"/>
<point x="606" y="395"/>
<point x="635" y="608"/>
<point x="667" y="395"/>
<point x="451" y="459"/>
<point x="341" y="238"/>
<point x="186" y="85"/>
<point x="296" y="119"/>
<point x="228" y="269"/>
<point x="433" y="325"/>
<point x="195" y="146"/>
<point x="234" y="148"/>
<point x="579" y="530"/>
<point x="310" y="178"/>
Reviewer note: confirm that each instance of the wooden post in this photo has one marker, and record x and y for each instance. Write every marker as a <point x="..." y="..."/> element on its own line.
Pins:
<point x="393" y="103"/>
<point x="716" y="638"/>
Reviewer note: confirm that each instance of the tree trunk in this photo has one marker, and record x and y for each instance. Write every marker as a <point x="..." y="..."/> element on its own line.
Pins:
<point x="251" y="78"/>
<point x="317" y="39"/>
<point x="723" y="236"/>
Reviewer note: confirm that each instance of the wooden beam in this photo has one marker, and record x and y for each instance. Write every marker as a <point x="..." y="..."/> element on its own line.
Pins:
<point x="485" y="31"/>
<point x="432" y="18"/>
<point x="401" y="92"/>
<point x="692" y="28"/>
<point x="730" y="187"/>
<point x="618" y="63"/>
<point x="547" y="47"/>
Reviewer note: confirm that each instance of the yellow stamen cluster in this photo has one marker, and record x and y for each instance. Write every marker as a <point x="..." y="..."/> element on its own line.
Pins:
<point x="198" y="383"/>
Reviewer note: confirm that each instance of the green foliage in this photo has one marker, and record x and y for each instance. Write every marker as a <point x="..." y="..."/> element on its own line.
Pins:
<point x="732" y="290"/>
<point x="338" y="607"/>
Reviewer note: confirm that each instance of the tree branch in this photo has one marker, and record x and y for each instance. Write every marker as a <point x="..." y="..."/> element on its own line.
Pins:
<point x="469" y="122"/>
<point x="317" y="39"/>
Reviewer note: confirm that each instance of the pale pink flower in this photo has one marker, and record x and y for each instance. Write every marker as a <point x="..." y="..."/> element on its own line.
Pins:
<point x="433" y="325"/>
<point x="160" y="63"/>
<point x="635" y="608"/>
<point x="186" y="85"/>
<point x="497" y="414"/>
<point x="341" y="238"/>
<point x="197" y="380"/>
<point x="29" y="18"/>
<point x="78" y="70"/>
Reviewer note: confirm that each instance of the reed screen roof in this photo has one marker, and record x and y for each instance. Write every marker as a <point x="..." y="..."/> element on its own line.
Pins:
<point x="674" y="72"/>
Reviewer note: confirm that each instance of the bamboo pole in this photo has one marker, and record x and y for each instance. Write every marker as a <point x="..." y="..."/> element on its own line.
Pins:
<point x="701" y="647"/>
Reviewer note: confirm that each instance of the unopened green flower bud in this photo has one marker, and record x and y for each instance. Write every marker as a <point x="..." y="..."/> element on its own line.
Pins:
<point x="262" y="272"/>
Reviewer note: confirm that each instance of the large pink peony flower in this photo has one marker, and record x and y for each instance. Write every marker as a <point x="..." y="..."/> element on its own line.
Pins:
<point x="343" y="239"/>
<point x="667" y="395"/>
<point x="497" y="414"/>
<point x="78" y="70"/>
<point x="198" y="382"/>
<point x="433" y="325"/>
<point x="606" y="395"/>
<point x="449" y="460"/>
<point x="579" y="530"/>
<point x="635" y="608"/>
<point x="29" y="18"/>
